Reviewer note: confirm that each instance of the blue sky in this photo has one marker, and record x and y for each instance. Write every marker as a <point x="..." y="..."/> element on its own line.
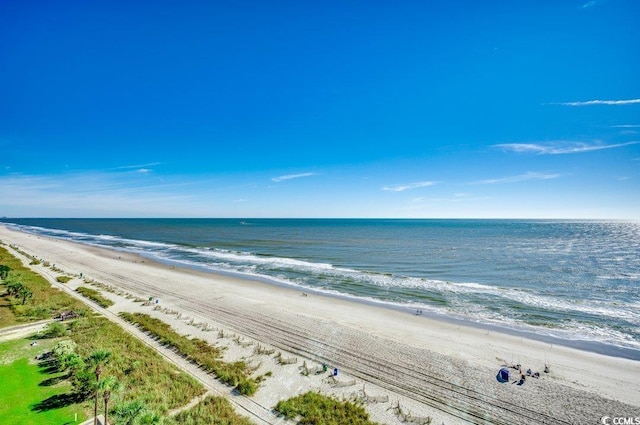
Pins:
<point x="505" y="109"/>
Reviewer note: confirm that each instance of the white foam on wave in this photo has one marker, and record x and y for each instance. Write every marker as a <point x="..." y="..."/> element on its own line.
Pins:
<point x="63" y="234"/>
<point x="237" y="261"/>
<point x="275" y="262"/>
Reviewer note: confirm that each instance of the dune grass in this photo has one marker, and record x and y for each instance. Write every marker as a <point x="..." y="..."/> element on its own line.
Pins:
<point x="313" y="408"/>
<point x="94" y="296"/>
<point x="210" y="411"/>
<point x="143" y="373"/>
<point x="145" y="376"/>
<point x="197" y="351"/>
<point x="45" y="303"/>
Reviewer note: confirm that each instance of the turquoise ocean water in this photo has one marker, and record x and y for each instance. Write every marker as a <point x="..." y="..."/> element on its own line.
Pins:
<point x="572" y="282"/>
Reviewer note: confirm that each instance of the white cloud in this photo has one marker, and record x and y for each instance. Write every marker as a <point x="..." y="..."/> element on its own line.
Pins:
<point x="409" y="186"/>
<point x="599" y="102"/>
<point x="589" y="4"/>
<point x="558" y="148"/>
<point x="136" y="167"/>
<point x="626" y="126"/>
<point x="520" y="178"/>
<point x="291" y="176"/>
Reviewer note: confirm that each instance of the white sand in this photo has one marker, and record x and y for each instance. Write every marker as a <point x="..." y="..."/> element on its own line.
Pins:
<point x="433" y="368"/>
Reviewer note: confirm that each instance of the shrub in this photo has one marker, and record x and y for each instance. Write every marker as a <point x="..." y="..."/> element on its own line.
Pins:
<point x="210" y="411"/>
<point x="95" y="296"/>
<point x="317" y="409"/>
<point x="55" y="330"/>
<point x="247" y="387"/>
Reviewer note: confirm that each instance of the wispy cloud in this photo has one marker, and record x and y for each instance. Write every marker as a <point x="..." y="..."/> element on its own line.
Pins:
<point x="589" y="4"/>
<point x="599" y="102"/>
<point x="409" y="186"/>
<point x="626" y="126"/>
<point x="291" y="176"/>
<point x="558" y="148"/>
<point x="136" y="167"/>
<point x="520" y="178"/>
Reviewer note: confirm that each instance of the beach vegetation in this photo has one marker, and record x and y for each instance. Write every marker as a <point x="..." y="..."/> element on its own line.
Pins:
<point x="99" y="358"/>
<point x="65" y="358"/>
<point x="45" y="301"/>
<point x="4" y="271"/>
<point x="197" y="351"/>
<point x="63" y="279"/>
<point x="94" y="296"/>
<point x="108" y="386"/>
<point x="20" y="291"/>
<point x="95" y="363"/>
<point x="24" y="294"/>
<point x="55" y="330"/>
<point x="129" y="412"/>
<point x="210" y="411"/>
<point x="318" y="409"/>
<point x="142" y="373"/>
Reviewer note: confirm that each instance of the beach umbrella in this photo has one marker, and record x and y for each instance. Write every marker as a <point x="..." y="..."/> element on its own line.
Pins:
<point x="503" y="375"/>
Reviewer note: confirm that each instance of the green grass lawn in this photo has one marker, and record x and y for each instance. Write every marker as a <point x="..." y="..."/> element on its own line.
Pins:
<point x="28" y="394"/>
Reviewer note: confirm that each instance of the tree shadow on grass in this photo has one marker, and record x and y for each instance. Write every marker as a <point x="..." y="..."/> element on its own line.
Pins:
<point x="57" y="402"/>
<point x="49" y="368"/>
<point x="53" y="380"/>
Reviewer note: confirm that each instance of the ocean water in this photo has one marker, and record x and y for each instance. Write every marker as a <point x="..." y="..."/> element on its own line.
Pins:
<point x="575" y="282"/>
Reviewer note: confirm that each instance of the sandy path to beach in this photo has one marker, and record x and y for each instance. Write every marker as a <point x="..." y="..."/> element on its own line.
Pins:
<point x="436" y="368"/>
<point x="21" y="331"/>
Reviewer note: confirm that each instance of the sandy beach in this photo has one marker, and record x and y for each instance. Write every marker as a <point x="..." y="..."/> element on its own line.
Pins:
<point x="432" y="368"/>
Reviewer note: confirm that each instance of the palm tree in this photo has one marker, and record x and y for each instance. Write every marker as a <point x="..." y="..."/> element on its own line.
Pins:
<point x="128" y="413"/>
<point x="4" y="271"/>
<point x="13" y="288"/>
<point x="97" y="359"/>
<point x="108" y="385"/>
<point x="24" y="293"/>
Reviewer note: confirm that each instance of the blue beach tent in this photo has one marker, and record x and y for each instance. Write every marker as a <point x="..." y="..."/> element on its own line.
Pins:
<point x="503" y="375"/>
